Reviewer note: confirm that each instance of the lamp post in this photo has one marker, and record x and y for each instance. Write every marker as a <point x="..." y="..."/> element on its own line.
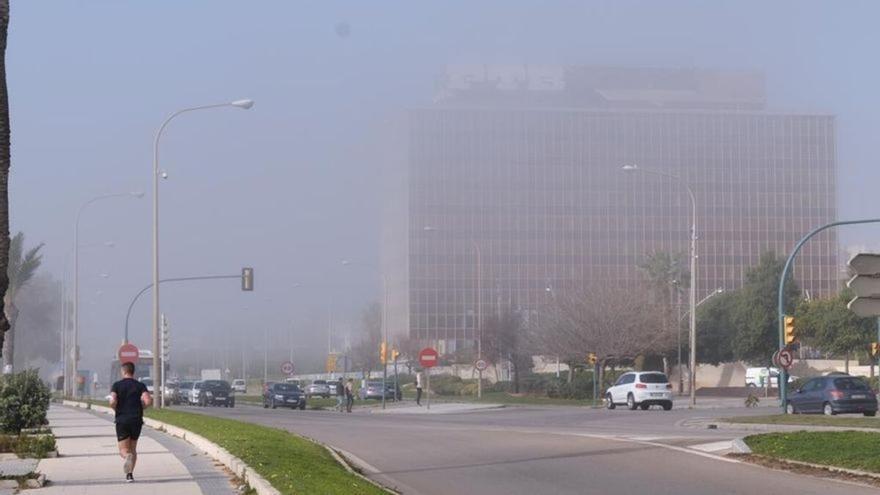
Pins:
<point x="479" y="256"/>
<point x="384" y="332"/>
<point x="79" y="212"/>
<point x="243" y="104"/>
<point x="692" y="363"/>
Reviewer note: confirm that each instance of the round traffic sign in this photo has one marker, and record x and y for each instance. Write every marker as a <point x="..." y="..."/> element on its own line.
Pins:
<point x="786" y="358"/>
<point x="287" y="368"/>
<point x="481" y="365"/>
<point x="428" y="357"/>
<point x="775" y="359"/>
<point x="128" y="353"/>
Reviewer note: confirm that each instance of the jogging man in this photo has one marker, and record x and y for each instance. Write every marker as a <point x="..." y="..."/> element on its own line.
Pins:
<point x="129" y="397"/>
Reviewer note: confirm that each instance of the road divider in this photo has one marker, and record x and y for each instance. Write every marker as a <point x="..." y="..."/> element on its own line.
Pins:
<point x="258" y="454"/>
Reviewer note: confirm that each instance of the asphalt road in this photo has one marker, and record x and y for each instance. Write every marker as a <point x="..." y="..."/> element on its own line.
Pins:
<point x="535" y="450"/>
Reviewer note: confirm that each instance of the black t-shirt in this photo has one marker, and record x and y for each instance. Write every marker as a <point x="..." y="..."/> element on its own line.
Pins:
<point x="129" y="408"/>
<point x="340" y="389"/>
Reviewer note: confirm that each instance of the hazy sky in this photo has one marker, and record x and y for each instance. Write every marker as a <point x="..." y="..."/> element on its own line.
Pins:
<point x="291" y="186"/>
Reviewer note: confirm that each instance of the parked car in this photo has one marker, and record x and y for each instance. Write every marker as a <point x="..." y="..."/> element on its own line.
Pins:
<point x="195" y="393"/>
<point x="640" y="389"/>
<point x="239" y="386"/>
<point x="318" y="388"/>
<point x="172" y="393"/>
<point x="757" y="377"/>
<point x="184" y="390"/>
<point x="216" y="393"/>
<point x="833" y="394"/>
<point x="284" y="395"/>
<point x="373" y="390"/>
<point x="148" y="382"/>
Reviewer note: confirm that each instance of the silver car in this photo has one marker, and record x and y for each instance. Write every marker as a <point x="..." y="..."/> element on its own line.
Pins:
<point x="318" y="388"/>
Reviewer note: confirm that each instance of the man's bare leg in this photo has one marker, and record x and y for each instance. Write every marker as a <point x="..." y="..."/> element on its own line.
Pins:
<point x="134" y="453"/>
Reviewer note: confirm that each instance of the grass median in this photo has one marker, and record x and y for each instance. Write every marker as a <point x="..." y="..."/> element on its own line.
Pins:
<point x="290" y="463"/>
<point x="843" y="449"/>
<point x="808" y="420"/>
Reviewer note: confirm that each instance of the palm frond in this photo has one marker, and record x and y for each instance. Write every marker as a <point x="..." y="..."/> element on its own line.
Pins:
<point x="23" y="264"/>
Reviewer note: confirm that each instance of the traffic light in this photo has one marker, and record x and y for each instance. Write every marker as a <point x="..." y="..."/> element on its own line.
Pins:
<point x="247" y="279"/>
<point x="790" y="333"/>
<point x="331" y="363"/>
<point x="875" y="349"/>
<point x="591" y="358"/>
<point x="382" y="353"/>
<point x="394" y="354"/>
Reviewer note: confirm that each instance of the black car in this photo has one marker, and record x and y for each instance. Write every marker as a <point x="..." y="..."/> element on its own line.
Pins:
<point x="284" y="395"/>
<point x="216" y="393"/>
<point x="833" y="394"/>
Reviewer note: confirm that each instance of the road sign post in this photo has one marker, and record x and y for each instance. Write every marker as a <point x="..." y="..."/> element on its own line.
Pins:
<point x="428" y="358"/>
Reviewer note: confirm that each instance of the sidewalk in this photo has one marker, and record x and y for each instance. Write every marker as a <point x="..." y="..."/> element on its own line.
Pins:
<point x="89" y="461"/>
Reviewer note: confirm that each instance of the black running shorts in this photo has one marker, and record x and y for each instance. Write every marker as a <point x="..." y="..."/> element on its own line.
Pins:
<point x="128" y="430"/>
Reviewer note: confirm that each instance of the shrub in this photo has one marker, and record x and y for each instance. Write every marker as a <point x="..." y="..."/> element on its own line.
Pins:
<point x="34" y="446"/>
<point x="24" y="401"/>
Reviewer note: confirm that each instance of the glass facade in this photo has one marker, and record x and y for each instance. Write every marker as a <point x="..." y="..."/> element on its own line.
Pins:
<point x="504" y="203"/>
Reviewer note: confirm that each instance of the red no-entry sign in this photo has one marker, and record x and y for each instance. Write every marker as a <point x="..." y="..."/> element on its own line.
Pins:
<point x="428" y="357"/>
<point x="128" y="353"/>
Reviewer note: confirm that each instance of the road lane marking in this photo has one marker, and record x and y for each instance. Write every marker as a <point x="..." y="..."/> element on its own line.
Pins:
<point x="713" y="446"/>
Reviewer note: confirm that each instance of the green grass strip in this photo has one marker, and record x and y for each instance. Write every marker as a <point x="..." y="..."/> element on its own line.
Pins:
<point x="290" y="463"/>
<point x="844" y="449"/>
<point x="808" y="420"/>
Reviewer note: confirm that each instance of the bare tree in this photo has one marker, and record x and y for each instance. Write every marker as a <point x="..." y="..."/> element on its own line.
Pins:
<point x="616" y="324"/>
<point x="506" y="337"/>
<point x="365" y="353"/>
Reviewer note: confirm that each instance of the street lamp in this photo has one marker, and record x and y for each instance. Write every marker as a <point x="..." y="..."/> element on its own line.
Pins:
<point x="384" y="330"/>
<point x="76" y="247"/>
<point x="692" y="364"/>
<point x="476" y="247"/>
<point x="243" y="104"/>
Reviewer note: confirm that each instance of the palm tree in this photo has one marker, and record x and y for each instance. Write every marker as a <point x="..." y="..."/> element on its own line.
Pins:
<point x="4" y="168"/>
<point x="22" y="267"/>
<point x="667" y="274"/>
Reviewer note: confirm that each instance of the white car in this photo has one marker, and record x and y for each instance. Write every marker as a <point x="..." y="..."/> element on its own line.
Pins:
<point x="757" y="377"/>
<point x="239" y="386"/>
<point x="640" y="389"/>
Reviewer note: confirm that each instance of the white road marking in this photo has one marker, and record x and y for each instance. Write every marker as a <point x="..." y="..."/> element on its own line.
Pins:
<point x="713" y="446"/>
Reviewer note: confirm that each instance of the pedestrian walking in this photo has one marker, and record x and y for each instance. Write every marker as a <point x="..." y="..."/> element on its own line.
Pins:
<point x="128" y="398"/>
<point x="349" y="394"/>
<point x="340" y="395"/>
<point x="418" y="388"/>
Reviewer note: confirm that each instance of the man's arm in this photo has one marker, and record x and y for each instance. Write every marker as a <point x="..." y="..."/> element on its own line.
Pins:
<point x="146" y="398"/>
<point x="113" y="400"/>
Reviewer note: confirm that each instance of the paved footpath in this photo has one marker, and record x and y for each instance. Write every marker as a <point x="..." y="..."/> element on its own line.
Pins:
<point x="89" y="462"/>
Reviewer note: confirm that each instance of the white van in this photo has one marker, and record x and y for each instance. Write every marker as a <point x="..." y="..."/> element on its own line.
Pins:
<point x="757" y="377"/>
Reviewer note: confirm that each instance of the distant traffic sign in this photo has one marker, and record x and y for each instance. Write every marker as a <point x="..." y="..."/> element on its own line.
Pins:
<point x="428" y="357"/>
<point x="128" y="353"/>
<point x="481" y="365"/>
<point x="287" y="368"/>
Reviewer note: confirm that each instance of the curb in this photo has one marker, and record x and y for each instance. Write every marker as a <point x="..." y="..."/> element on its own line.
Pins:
<point x="740" y="447"/>
<point x="854" y="472"/>
<point x="234" y="464"/>
<point x="768" y="428"/>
